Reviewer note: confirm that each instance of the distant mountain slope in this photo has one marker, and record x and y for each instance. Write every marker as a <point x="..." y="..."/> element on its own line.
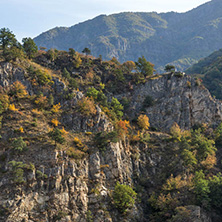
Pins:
<point x="177" y="38"/>
<point x="210" y="70"/>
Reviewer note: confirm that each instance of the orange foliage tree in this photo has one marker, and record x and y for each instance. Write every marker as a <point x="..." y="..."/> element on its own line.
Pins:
<point x="122" y="128"/>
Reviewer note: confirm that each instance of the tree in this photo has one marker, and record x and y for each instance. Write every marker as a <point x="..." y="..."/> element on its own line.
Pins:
<point x="56" y="135"/>
<point x="87" y="51"/>
<point x="18" y="90"/>
<point x="65" y="73"/>
<point x="30" y="47"/>
<point x="201" y="189"/>
<point x="129" y="65"/>
<point x="86" y="106"/>
<point x="7" y="39"/>
<point x="169" y="68"/>
<point x="19" y="144"/>
<point x="145" y="67"/>
<point x="175" y="131"/>
<point x="117" y="107"/>
<point x="124" y="197"/>
<point x="72" y="52"/>
<point x="143" y="121"/>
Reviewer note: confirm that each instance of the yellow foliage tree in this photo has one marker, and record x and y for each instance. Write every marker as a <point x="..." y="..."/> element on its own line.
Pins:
<point x="41" y="101"/>
<point x="12" y="107"/>
<point x="55" y="122"/>
<point x="143" y="122"/>
<point x="56" y="108"/>
<point x="78" y="61"/>
<point x="175" y="131"/>
<point x="18" y="90"/>
<point x="63" y="131"/>
<point x="130" y="65"/>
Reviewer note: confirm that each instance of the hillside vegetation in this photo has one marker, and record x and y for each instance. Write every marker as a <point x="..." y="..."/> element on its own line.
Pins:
<point x="70" y="149"/>
<point x="209" y="70"/>
<point x="176" y="38"/>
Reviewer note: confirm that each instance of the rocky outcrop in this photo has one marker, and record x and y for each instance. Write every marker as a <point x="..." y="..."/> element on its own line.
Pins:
<point x="10" y="73"/>
<point x="180" y="99"/>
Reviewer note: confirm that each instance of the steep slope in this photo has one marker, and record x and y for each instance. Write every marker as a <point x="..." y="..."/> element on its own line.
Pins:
<point x="75" y="181"/>
<point x="62" y="159"/>
<point x="178" y="38"/>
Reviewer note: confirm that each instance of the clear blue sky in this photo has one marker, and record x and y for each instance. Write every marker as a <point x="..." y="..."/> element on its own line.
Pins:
<point x="29" y="18"/>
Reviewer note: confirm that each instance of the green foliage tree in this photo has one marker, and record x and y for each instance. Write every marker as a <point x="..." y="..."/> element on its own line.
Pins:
<point x="53" y="54"/>
<point x="30" y="47"/>
<point x="19" y="144"/>
<point x="203" y="145"/>
<point x="215" y="184"/>
<point x="72" y="52"/>
<point x="201" y="189"/>
<point x="169" y="68"/>
<point x="56" y="135"/>
<point x="117" y="107"/>
<point x="124" y="197"/>
<point x="145" y="67"/>
<point x="87" y="51"/>
<point x="92" y="92"/>
<point x="66" y="73"/>
<point x="51" y="100"/>
<point x="7" y="40"/>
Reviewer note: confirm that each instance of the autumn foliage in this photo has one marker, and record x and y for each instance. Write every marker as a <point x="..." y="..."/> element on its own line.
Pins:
<point x="86" y="106"/>
<point x="143" y="122"/>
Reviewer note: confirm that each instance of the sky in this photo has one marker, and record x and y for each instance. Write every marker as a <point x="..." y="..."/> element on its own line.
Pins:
<point x="29" y="18"/>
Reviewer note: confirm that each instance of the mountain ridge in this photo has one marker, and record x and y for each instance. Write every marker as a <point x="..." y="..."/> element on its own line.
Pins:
<point x="177" y="38"/>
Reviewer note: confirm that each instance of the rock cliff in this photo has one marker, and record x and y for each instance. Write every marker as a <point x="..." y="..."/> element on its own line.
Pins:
<point x="180" y="99"/>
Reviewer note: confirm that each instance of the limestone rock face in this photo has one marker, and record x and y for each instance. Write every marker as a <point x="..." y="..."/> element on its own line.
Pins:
<point x="10" y="73"/>
<point x="176" y="99"/>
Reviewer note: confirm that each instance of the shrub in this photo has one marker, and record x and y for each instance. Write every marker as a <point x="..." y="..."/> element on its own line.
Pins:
<point x="175" y="131"/>
<point x="41" y="101"/>
<point x="41" y="175"/>
<point x="116" y="107"/>
<point x="143" y="122"/>
<point x="56" y="135"/>
<point x="56" y="108"/>
<point x="92" y="92"/>
<point x="86" y="106"/>
<point x="12" y="108"/>
<point x="18" y="90"/>
<point x="124" y="197"/>
<point x="78" y="142"/>
<point x="55" y="122"/>
<point x="43" y="78"/>
<point x="4" y="102"/>
<point x="63" y="131"/>
<point x="148" y="101"/>
<point x="75" y="153"/>
<point x="19" y="144"/>
<point x="122" y="128"/>
<point x="102" y="139"/>
<point x="188" y="84"/>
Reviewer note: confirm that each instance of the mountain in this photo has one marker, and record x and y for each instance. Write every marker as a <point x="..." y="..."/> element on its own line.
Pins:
<point x="209" y="70"/>
<point x="82" y="139"/>
<point x="177" y="38"/>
